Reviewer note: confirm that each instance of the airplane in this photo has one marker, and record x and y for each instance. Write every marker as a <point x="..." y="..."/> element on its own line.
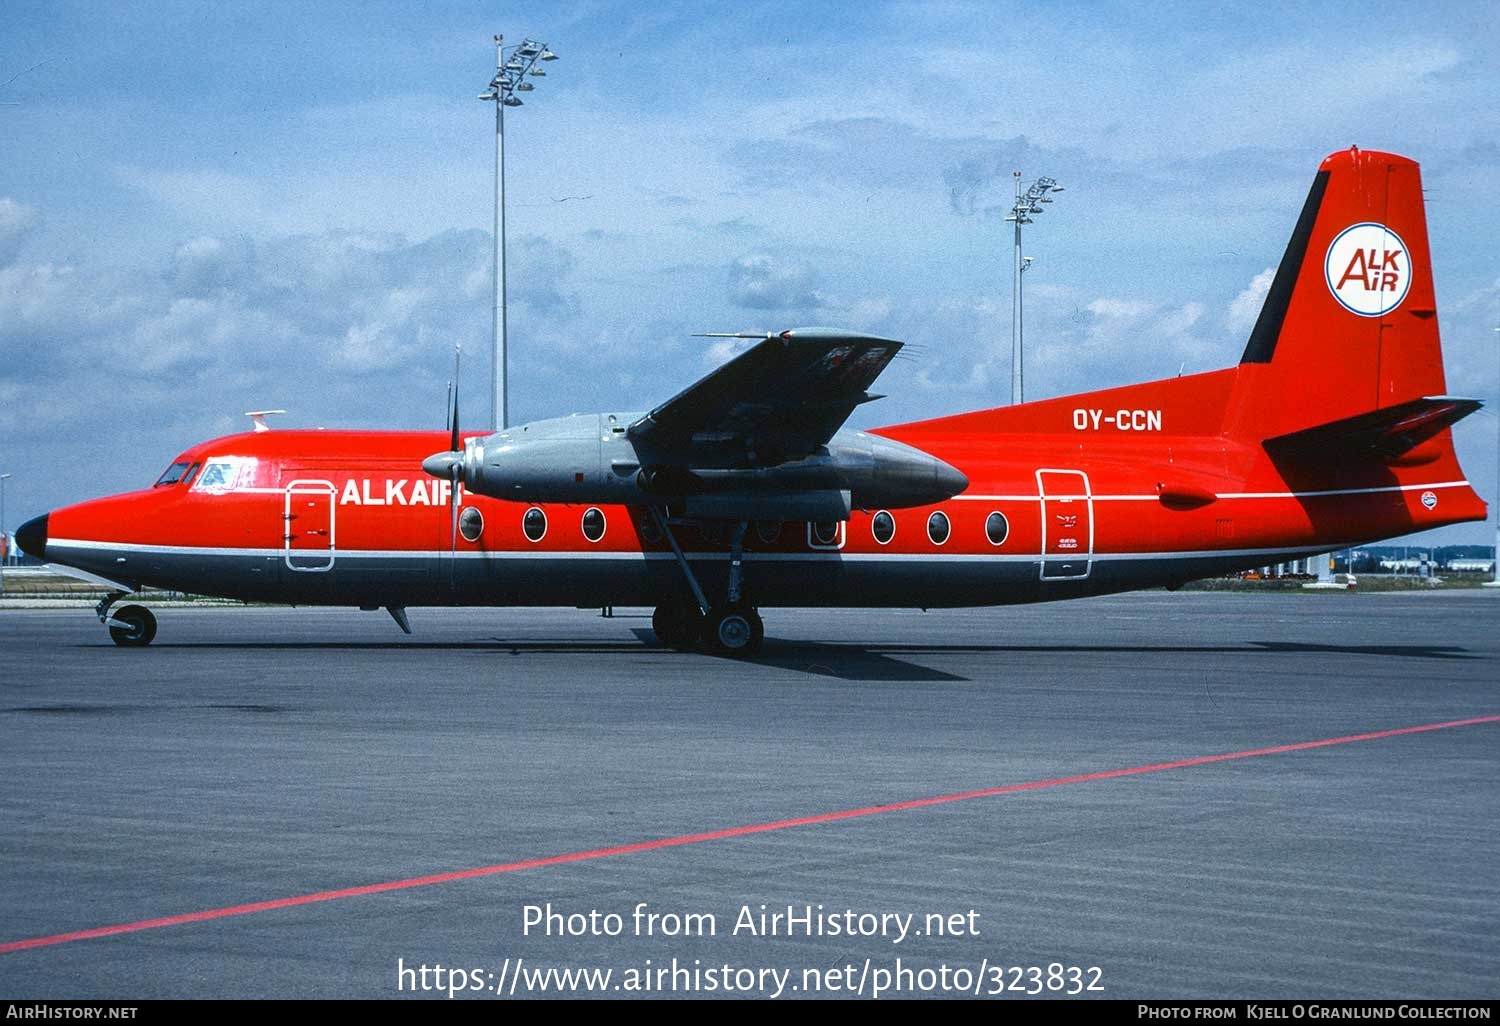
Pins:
<point x="745" y="491"/>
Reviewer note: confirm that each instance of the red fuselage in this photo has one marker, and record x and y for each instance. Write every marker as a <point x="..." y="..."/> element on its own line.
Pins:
<point x="1102" y="492"/>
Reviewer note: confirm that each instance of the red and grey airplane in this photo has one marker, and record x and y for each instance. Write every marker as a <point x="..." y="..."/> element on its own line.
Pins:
<point x="745" y="491"/>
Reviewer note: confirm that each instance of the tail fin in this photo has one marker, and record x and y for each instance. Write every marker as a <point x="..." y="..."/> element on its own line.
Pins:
<point x="1350" y="323"/>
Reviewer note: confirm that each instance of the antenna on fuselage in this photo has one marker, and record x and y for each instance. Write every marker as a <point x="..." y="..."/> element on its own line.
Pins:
<point x="258" y="418"/>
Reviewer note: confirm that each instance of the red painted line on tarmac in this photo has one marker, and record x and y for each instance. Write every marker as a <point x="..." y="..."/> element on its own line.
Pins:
<point x="712" y="835"/>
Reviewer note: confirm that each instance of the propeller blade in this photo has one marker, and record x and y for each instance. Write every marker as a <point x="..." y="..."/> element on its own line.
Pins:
<point x="453" y="508"/>
<point x="453" y="517"/>
<point x="453" y="443"/>
<point x="450" y="465"/>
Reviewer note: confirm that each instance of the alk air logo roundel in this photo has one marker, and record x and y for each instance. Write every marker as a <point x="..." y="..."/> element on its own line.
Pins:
<point x="1368" y="269"/>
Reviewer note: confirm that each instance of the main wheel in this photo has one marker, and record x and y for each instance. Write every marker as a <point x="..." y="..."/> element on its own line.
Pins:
<point x="139" y="629"/>
<point x="676" y="625"/>
<point x="734" y="630"/>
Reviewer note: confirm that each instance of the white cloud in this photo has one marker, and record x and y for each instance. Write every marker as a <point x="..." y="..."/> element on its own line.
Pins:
<point x="722" y="350"/>
<point x="1120" y="309"/>
<point x="217" y="197"/>
<point x="1245" y="307"/>
<point x="761" y="281"/>
<point x="206" y="263"/>
<point x="16" y="222"/>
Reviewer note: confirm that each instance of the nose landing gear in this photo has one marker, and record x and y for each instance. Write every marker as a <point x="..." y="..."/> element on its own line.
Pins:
<point x="129" y="626"/>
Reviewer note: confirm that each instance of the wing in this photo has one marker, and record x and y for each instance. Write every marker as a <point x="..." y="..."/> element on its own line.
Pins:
<point x="779" y="401"/>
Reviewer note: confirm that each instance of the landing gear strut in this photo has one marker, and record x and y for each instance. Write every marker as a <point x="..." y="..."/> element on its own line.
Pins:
<point x="733" y="627"/>
<point x="129" y="626"/>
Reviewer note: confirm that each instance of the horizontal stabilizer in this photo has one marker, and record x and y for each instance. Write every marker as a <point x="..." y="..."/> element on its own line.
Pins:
<point x="1387" y="434"/>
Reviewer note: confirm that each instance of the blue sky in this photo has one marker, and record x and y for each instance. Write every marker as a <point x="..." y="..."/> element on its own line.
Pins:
<point x="206" y="209"/>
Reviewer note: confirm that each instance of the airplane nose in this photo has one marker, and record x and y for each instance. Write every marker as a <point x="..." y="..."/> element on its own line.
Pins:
<point x="32" y="537"/>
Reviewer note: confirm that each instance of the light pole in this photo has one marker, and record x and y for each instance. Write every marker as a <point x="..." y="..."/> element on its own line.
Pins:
<point x="1026" y="204"/>
<point x="1495" y="583"/>
<point x="510" y="78"/>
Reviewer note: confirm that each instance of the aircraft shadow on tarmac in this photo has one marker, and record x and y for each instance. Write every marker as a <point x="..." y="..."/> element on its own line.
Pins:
<point x="844" y="660"/>
<point x="848" y="661"/>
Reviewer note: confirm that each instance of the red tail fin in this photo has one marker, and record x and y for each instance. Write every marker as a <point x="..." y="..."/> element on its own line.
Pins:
<point x="1350" y="323"/>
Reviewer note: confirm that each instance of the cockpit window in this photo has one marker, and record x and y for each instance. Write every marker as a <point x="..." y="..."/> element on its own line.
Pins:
<point x="219" y="474"/>
<point x="173" y="474"/>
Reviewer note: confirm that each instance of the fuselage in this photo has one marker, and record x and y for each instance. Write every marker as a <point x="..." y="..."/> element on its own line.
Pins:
<point x="1102" y="492"/>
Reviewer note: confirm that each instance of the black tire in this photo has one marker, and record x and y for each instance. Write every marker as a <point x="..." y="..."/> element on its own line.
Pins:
<point x="140" y="627"/>
<point x="677" y="626"/>
<point x="734" y="630"/>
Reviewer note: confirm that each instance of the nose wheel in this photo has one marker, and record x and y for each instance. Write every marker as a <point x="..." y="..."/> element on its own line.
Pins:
<point x="132" y="626"/>
<point x="129" y="626"/>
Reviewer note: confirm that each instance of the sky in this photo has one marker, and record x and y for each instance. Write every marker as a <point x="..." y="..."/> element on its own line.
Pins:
<point x="213" y="208"/>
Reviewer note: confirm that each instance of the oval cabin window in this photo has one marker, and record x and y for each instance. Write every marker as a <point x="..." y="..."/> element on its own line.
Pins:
<point x="534" y="524"/>
<point x="593" y="523"/>
<point x="883" y="527"/>
<point x="471" y="524"/>
<point x="649" y="531"/>
<point x="938" y="528"/>
<point x="996" y="528"/>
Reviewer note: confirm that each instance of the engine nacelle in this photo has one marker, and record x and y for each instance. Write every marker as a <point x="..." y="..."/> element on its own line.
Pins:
<point x="592" y="460"/>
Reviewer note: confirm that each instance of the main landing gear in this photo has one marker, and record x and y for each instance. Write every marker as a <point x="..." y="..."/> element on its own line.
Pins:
<point x="129" y="626"/>
<point x="733" y="627"/>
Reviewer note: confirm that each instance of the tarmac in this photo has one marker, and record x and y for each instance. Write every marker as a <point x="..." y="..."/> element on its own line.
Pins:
<point x="1151" y="796"/>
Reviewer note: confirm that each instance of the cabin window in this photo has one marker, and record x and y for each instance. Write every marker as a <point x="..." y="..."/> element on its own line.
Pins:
<point x="768" y="531"/>
<point x="938" y="528"/>
<point x="883" y="527"/>
<point x="649" y="531"/>
<point x="219" y="475"/>
<point x="534" y="524"/>
<point x="173" y="474"/>
<point x="826" y="532"/>
<point x="471" y="524"/>
<point x="593" y="523"/>
<point x="996" y="528"/>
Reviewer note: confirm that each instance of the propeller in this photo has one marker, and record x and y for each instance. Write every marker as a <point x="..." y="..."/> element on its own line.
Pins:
<point x="450" y="464"/>
<point x="455" y="467"/>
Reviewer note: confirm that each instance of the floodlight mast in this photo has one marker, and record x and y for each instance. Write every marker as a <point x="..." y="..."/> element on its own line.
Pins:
<point x="1026" y="204"/>
<point x="510" y="78"/>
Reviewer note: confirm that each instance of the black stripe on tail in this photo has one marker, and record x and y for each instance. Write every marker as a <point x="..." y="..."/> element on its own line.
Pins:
<point x="1262" y="344"/>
